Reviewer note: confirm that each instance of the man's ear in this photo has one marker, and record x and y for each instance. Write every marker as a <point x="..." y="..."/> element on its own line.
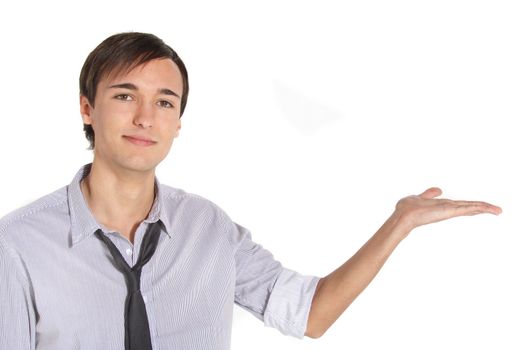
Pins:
<point x="85" y="110"/>
<point x="177" y="129"/>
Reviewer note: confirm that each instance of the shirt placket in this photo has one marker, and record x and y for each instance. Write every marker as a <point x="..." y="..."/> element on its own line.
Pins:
<point x="146" y="283"/>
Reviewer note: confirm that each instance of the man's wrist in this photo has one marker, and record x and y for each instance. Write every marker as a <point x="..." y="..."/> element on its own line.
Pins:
<point x="398" y="226"/>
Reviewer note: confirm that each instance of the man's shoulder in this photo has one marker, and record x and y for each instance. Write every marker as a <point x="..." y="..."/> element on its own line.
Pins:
<point x="34" y="211"/>
<point x="179" y="197"/>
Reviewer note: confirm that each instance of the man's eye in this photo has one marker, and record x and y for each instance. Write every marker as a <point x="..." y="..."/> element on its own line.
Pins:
<point x="165" y="104"/>
<point x="123" y="97"/>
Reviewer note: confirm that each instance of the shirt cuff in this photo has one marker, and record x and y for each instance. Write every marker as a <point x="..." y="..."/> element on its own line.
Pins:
<point x="289" y="303"/>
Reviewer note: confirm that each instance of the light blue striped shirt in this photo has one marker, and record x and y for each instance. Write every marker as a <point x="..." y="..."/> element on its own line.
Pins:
<point x="60" y="289"/>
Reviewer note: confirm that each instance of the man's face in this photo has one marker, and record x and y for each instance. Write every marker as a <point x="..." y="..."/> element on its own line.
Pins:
<point x="144" y="103"/>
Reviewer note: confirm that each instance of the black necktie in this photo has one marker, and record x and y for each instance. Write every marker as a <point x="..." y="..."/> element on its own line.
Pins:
<point x="137" y="334"/>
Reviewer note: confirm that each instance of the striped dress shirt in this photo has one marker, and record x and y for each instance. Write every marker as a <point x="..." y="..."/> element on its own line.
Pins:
<point x="60" y="288"/>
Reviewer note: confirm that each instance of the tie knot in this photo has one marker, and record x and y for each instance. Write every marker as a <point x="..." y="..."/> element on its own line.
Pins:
<point x="133" y="278"/>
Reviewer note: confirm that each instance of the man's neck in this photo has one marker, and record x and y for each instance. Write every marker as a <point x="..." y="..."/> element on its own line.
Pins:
<point x="120" y="200"/>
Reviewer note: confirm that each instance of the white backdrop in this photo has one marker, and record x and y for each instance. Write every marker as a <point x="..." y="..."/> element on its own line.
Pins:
<point x="306" y="122"/>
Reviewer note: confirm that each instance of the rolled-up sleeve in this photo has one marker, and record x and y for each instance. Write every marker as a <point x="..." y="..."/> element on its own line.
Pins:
<point x="17" y="319"/>
<point x="278" y="296"/>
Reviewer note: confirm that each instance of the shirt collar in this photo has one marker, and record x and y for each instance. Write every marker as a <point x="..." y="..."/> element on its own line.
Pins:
<point x="84" y="224"/>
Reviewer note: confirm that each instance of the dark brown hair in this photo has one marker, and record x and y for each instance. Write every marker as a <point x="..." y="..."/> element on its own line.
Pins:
<point x="120" y="53"/>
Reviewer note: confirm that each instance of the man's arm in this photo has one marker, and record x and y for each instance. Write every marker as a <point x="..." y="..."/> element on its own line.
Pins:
<point x="338" y="290"/>
<point x="17" y="319"/>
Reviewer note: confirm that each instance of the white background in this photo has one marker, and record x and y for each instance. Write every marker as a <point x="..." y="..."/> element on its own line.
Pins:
<point x="306" y="122"/>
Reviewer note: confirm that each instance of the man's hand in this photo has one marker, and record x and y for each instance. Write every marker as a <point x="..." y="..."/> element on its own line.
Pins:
<point x="337" y="291"/>
<point x="414" y="211"/>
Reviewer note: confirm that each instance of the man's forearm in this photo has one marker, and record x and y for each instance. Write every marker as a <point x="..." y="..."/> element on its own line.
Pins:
<point x="338" y="290"/>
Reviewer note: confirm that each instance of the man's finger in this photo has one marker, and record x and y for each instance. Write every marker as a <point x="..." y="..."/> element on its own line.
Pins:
<point x="477" y="207"/>
<point x="431" y="193"/>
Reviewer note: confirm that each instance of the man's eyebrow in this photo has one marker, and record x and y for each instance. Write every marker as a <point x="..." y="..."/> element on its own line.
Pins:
<point x="131" y="86"/>
<point x="168" y="92"/>
<point x="124" y="86"/>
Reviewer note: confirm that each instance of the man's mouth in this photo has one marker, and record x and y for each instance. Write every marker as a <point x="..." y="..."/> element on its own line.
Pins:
<point x="138" y="140"/>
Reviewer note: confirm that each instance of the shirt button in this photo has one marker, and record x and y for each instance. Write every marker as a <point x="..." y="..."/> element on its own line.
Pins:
<point x="128" y="251"/>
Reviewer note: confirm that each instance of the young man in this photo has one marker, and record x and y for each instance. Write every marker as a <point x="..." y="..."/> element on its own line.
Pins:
<point x="116" y="260"/>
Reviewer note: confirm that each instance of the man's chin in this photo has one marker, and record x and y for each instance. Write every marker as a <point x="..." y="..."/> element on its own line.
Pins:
<point x="138" y="165"/>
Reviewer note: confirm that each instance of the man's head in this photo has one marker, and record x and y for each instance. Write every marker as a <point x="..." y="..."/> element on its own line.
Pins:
<point x="132" y="87"/>
<point x="119" y="54"/>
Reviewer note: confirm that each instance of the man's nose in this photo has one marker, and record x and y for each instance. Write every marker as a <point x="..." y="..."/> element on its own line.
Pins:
<point x="145" y="114"/>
